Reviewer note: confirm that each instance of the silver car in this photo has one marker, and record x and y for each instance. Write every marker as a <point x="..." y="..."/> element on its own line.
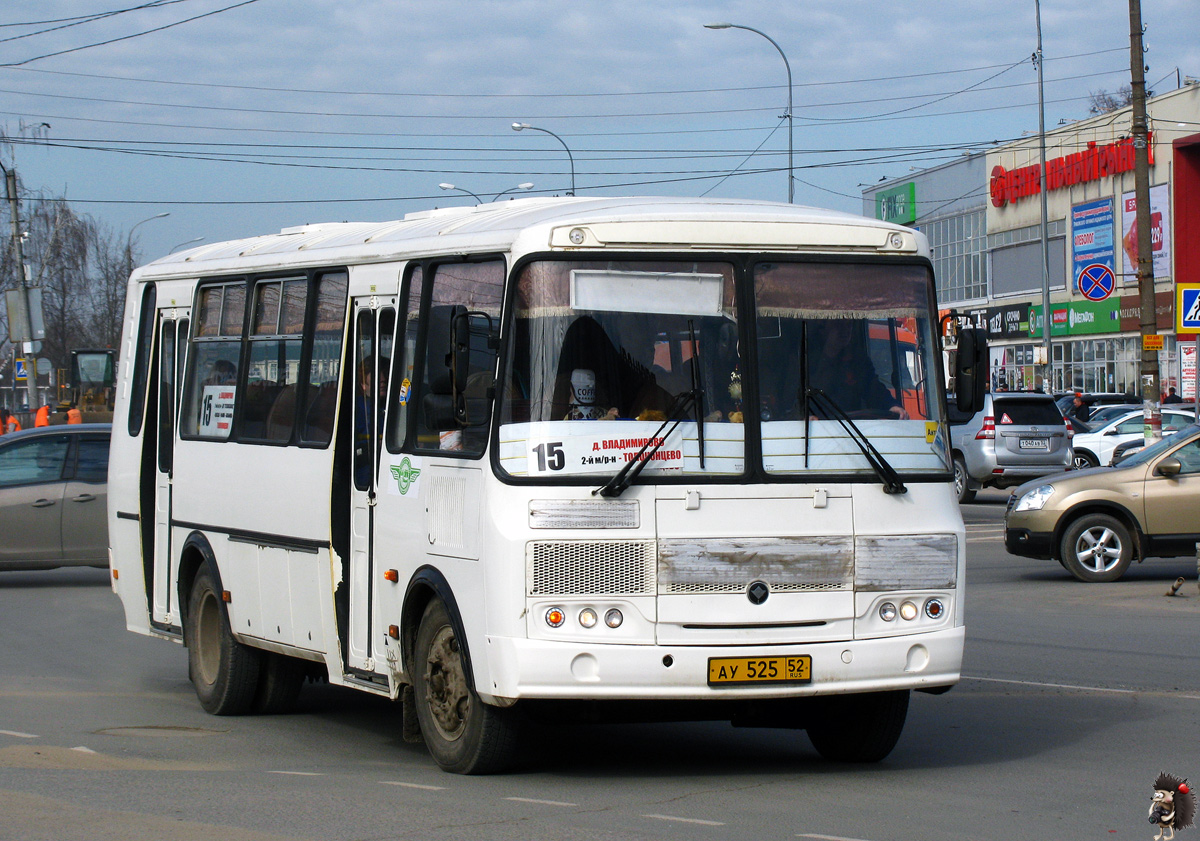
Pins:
<point x="1018" y="436"/>
<point x="54" y="496"/>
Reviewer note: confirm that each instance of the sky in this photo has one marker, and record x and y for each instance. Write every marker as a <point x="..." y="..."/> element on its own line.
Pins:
<point x="242" y="117"/>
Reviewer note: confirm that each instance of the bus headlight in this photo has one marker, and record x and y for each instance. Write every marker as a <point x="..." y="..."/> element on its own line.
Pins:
<point x="908" y="611"/>
<point x="887" y="612"/>
<point x="934" y="609"/>
<point x="613" y="618"/>
<point x="587" y="618"/>
<point x="555" y="617"/>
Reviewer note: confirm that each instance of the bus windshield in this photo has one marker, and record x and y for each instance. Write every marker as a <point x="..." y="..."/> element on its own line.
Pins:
<point x="609" y="359"/>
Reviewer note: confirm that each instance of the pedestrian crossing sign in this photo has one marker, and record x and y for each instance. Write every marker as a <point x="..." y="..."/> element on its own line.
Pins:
<point x="1187" y="308"/>
<point x="21" y="376"/>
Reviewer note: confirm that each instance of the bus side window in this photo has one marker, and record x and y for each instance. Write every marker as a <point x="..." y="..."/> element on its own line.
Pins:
<point x="478" y="288"/>
<point x="403" y="363"/>
<point x="326" y="359"/>
<point x="214" y="361"/>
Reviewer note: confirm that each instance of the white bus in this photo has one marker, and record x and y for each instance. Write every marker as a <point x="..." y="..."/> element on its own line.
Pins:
<point x="491" y="462"/>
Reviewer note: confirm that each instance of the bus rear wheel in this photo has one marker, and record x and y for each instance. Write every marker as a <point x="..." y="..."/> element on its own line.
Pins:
<point x="859" y="728"/>
<point x="223" y="671"/>
<point x="463" y="734"/>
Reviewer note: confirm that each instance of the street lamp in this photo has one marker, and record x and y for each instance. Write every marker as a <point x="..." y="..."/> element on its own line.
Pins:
<point x="528" y="185"/>
<point x="129" y="241"/>
<point x="445" y="186"/>
<point x="523" y="126"/>
<point x="185" y="242"/>
<point x="788" y="114"/>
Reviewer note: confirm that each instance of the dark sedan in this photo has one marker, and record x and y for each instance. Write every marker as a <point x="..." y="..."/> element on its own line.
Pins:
<point x="54" y="496"/>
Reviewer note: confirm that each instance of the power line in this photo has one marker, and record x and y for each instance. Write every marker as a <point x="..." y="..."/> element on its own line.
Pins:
<point x="407" y="94"/>
<point x="93" y="16"/>
<point x="67" y="23"/>
<point x="128" y="37"/>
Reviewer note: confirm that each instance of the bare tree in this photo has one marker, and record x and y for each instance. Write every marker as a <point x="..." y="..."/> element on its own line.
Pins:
<point x="1102" y="101"/>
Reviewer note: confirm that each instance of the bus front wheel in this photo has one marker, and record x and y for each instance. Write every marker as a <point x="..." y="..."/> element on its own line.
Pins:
<point x="463" y="734"/>
<point x="859" y="728"/>
<point x="223" y="671"/>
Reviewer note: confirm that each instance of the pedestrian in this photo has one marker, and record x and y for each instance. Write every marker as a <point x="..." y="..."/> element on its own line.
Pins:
<point x="1079" y="409"/>
<point x="8" y="422"/>
<point x="73" y="415"/>
<point x="42" y="418"/>
<point x="1172" y="397"/>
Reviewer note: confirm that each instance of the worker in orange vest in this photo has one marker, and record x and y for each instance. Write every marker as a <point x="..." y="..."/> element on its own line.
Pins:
<point x="8" y="422"/>
<point x="42" y="418"/>
<point x="73" y="415"/>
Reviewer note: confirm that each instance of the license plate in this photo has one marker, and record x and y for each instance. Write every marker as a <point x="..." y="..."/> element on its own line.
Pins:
<point x="732" y="671"/>
<point x="1034" y="444"/>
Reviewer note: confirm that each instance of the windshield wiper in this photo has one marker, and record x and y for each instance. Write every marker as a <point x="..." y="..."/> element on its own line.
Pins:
<point x="625" y="476"/>
<point x="886" y="473"/>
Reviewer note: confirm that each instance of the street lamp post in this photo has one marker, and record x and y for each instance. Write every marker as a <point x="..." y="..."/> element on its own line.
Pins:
<point x="526" y="185"/>
<point x="129" y="241"/>
<point x="523" y="126"/>
<point x="185" y="242"/>
<point x="445" y="186"/>
<point x="788" y="114"/>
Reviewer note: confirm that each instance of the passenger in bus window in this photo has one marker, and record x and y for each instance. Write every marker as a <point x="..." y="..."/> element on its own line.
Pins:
<point x="223" y="372"/>
<point x="840" y="367"/>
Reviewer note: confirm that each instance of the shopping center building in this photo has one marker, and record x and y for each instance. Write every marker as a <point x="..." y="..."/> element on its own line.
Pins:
<point x="982" y="214"/>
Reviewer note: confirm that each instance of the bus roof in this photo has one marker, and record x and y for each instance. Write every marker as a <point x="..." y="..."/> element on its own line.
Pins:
<point x="541" y="224"/>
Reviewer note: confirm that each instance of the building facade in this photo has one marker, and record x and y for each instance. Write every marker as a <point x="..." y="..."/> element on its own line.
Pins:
<point x="992" y="273"/>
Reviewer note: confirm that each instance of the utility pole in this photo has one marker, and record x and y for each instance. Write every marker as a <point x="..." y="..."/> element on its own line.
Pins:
<point x="10" y="181"/>
<point x="1151" y="395"/>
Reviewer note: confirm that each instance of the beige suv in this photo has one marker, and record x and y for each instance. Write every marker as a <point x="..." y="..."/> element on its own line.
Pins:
<point x="1095" y="522"/>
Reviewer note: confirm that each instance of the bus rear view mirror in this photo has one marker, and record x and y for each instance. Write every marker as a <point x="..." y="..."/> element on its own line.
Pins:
<point x="970" y="369"/>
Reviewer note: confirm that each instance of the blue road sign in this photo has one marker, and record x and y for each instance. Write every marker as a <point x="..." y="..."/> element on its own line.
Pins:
<point x="1189" y="308"/>
<point x="1097" y="282"/>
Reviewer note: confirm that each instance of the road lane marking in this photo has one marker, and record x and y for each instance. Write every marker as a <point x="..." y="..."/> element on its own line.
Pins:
<point x="683" y="820"/>
<point x="1053" y="685"/>
<point x="827" y="837"/>
<point x="541" y="802"/>
<point x="298" y="773"/>
<point x="17" y="735"/>
<point x="82" y="749"/>
<point x="412" y="785"/>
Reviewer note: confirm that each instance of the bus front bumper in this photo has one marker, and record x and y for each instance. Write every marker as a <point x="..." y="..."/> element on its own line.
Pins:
<point x="524" y="668"/>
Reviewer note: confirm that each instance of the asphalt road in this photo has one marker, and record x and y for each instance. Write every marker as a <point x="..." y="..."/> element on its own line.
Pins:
<point x="1074" y="697"/>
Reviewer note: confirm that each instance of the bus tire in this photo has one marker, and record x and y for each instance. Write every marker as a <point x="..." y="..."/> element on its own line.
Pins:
<point x="463" y="734"/>
<point x="859" y="728"/>
<point x="223" y="671"/>
<point x="279" y="683"/>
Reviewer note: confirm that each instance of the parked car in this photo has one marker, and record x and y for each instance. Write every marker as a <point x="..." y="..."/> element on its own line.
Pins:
<point x="1095" y="448"/>
<point x="54" y="496"/>
<point x="1103" y="414"/>
<point x="1018" y="436"/>
<point x="1095" y="522"/>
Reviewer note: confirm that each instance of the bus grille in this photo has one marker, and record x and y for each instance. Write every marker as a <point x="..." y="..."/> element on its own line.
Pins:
<point x="590" y="568"/>
<point x="787" y="565"/>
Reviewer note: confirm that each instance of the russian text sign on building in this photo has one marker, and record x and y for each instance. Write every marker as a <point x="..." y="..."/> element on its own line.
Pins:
<point x="1092" y="249"/>
<point x="1009" y="186"/>
<point x="897" y="204"/>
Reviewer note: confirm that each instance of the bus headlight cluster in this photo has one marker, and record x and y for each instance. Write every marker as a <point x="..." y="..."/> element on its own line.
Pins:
<point x="587" y="618"/>
<point x="908" y="610"/>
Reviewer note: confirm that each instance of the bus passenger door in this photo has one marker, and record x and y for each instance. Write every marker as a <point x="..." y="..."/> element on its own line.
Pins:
<point x="373" y="329"/>
<point x="172" y="335"/>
